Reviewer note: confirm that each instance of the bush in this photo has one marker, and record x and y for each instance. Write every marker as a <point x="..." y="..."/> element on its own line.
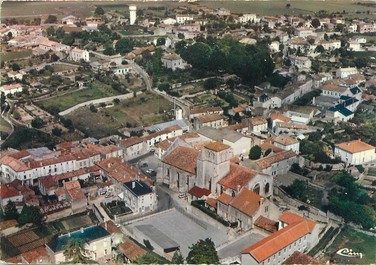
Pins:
<point x="200" y="205"/>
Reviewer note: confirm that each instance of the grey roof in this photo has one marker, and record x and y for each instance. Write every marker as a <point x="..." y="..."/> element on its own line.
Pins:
<point x="161" y="126"/>
<point x="220" y="135"/>
<point x="231" y="136"/>
<point x="212" y="133"/>
<point x="138" y="187"/>
<point x="157" y="236"/>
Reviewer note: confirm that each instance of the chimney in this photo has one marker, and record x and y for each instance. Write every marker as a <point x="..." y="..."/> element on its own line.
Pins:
<point x="133" y="184"/>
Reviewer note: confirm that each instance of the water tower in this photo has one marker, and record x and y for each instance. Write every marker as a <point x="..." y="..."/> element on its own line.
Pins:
<point x="133" y="14"/>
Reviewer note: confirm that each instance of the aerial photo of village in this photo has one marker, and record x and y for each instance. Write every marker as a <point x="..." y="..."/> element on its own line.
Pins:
<point x="188" y="132"/>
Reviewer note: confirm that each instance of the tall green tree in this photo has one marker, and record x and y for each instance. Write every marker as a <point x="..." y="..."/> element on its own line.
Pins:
<point x="124" y="45"/>
<point x="297" y="189"/>
<point x="203" y="252"/>
<point x="177" y="258"/>
<point x="75" y="252"/>
<point x="255" y="152"/>
<point x="99" y="11"/>
<point x="37" y="122"/>
<point x="10" y="211"/>
<point x="30" y="214"/>
<point x="148" y="258"/>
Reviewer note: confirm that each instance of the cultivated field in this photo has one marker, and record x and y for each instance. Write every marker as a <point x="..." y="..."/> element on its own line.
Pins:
<point x="9" y="56"/>
<point x="275" y="7"/>
<point x="141" y="111"/>
<point x="95" y="91"/>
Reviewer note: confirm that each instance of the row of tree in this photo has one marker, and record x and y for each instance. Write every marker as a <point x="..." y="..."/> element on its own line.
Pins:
<point x="252" y="63"/>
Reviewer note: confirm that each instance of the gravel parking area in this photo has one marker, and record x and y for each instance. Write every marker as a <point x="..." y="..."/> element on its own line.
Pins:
<point x="182" y="229"/>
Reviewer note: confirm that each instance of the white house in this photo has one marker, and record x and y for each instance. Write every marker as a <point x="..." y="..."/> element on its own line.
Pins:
<point x="286" y="143"/>
<point x="169" y="21"/>
<point x="210" y="120"/>
<point x="355" y="152"/>
<point x="302" y="63"/>
<point x="258" y="124"/>
<point x="181" y="18"/>
<point x="303" y="32"/>
<point x="11" y="89"/>
<point x="248" y="18"/>
<point x="295" y="233"/>
<point x="345" y="72"/>
<point x="98" y="243"/>
<point x="173" y="61"/>
<point x="139" y="196"/>
<point x="77" y="55"/>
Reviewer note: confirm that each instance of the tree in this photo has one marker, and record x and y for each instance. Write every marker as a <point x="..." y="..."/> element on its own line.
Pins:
<point x="15" y="67"/>
<point x="10" y="211"/>
<point x="161" y="41"/>
<point x="116" y="101"/>
<point x="297" y="189"/>
<point x="255" y="152"/>
<point x="60" y="33"/>
<point x="210" y="83"/>
<point x="177" y="258"/>
<point x="10" y="35"/>
<point x="56" y="131"/>
<point x="148" y="258"/>
<point x="319" y="49"/>
<point x="37" y="122"/>
<point x="124" y="45"/>
<point x="51" y="19"/>
<point x="30" y="214"/>
<point x="75" y="252"/>
<point x="93" y="108"/>
<point x="315" y="23"/>
<point x="203" y="252"/>
<point x="99" y="11"/>
<point x="288" y="6"/>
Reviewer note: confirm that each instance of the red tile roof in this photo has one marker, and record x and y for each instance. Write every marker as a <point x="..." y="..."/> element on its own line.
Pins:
<point x="217" y="146"/>
<point x="258" y="120"/>
<point x="7" y="223"/>
<point x="76" y="194"/>
<point x="8" y="192"/>
<point x="34" y="255"/>
<point x="278" y="116"/>
<point x="212" y="202"/>
<point x="131" y="141"/>
<point x="131" y="250"/>
<point x="300" y="258"/>
<point x="225" y="198"/>
<point x="199" y="192"/>
<point x="210" y="117"/>
<point x="247" y="202"/>
<point x="74" y="184"/>
<point x="183" y="158"/>
<point x="355" y="146"/>
<point x="282" y="238"/>
<point x="111" y="227"/>
<point x="239" y="176"/>
<point x="266" y="162"/>
<point x="266" y="224"/>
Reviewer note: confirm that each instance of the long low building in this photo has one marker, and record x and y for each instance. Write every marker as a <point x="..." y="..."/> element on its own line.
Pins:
<point x="355" y="152"/>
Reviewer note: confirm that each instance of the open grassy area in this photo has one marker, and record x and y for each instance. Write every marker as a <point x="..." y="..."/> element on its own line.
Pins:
<point x="275" y="7"/>
<point x="63" y="67"/>
<point x="95" y="91"/>
<point x="9" y="56"/>
<point x="358" y="242"/>
<point x="144" y="110"/>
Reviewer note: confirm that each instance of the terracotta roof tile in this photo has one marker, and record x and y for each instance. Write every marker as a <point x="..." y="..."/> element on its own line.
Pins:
<point x="8" y="223"/>
<point x="212" y="202"/>
<point x="282" y="238"/>
<point x="76" y="194"/>
<point x="74" y="184"/>
<point x="111" y="227"/>
<point x="7" y="191"/>
<point x="183" y="158"/>
<point x="284" y="140"/>
<point x="266" y="162"/>
<point x="265" y="146"/>
<point x="199" y="192"/>
<point x="278" y="116"/>
<point x="131" y="141"/>
<point x="225" y="198"/>
<point x="131" y="250"/>
<point x="247" y="201"/>
<point x="258" y="120"/>
<point x="217" y="146"/>
<point x="267" y="224"/>
<point x="210" y="117"/>
<point x="34" y="255"/>
<point x="355" y="146"/>
<point x="238" y="176"/>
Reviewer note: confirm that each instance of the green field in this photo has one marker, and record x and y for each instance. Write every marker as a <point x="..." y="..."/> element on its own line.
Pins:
<point x="274" y="7"/>
<point x="95" y="91"/>
<point x="140" y="111"/>
<point x="9" y="56"/>
<point x="358" y="242"/>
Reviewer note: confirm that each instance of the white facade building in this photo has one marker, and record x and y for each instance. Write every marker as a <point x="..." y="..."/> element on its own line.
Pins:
<point x="77" y="55"/>
<point x="132" y="14"/>
<point x="355" y="152"/>
<point x="139" y="196"/>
